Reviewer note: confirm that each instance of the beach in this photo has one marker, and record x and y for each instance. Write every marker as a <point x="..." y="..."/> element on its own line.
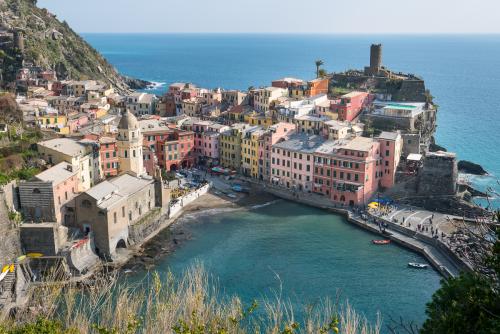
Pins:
<point x="147" y="255"/>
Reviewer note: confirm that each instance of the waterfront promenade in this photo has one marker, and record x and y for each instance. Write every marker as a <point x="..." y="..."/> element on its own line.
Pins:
<point x="401" y="224"/>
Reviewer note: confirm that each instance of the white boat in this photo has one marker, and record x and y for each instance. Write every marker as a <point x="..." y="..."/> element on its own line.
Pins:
<point x="417" y="265"/>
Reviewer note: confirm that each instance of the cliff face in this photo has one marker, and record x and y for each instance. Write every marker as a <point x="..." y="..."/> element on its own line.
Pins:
<point x="40" y="38"/>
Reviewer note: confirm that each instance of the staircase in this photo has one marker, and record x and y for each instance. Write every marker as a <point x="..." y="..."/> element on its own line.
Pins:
<point x="6" y="289"/>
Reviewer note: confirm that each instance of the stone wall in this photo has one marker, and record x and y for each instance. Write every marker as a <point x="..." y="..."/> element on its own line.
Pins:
<point x="139" y="231"/>
<point x="439" y="175"/>
<point x="45" y="238"/>
<point x="185" y="200"/>
<point x="411" y="143"/>
<point x="37" y="198"/>
<point x="9" y="232"/>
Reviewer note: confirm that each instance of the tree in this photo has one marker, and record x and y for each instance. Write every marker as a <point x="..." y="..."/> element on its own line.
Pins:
<point x="469" y="303"/>
<point x="318" y="63"/>
<point x="322" y="73"/>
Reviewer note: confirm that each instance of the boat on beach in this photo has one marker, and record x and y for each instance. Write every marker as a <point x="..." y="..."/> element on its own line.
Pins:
<point x="417" y="265"/>
<point x="381" y="242"/>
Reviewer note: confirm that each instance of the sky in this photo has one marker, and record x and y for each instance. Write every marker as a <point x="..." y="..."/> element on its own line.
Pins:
<point x="273" y="16"/>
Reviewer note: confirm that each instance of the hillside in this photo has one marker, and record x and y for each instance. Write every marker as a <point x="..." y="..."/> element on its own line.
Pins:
<point x="51" y="44"/>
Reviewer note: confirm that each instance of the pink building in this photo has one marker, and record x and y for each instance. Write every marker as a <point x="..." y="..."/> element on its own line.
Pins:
<point x="273" y="135"/>
<point x="350" y="105"/>
<point x="347" y="171"/>
<point x="150" y="160"/>
<point x="206" y="141"/>
<point x="391" y="148"/>
<point x="76" y="121"/>
<point x="44" y="198"/>
<point x="292" y="161"/>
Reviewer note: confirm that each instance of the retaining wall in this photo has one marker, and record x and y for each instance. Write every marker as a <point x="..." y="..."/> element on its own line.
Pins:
<point x="176" y="208"/>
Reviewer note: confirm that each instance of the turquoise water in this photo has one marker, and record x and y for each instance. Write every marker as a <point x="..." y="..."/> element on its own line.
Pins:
<point x="463" y="72"/>
<point x="313" y="254"/>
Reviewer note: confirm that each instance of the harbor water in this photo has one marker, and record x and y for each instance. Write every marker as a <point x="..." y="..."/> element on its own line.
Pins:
<point x="308" y="255"/>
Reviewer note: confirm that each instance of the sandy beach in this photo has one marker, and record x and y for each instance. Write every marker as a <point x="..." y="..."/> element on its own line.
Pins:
<point x="173" y="236"/>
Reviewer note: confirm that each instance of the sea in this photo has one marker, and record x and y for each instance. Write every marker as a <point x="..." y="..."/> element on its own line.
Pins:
<point x="305" y="255"/>
<point x="306" y="252"/>
<point x="462" y="72"/>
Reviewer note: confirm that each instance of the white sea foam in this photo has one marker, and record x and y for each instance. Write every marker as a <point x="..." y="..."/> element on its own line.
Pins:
<point x="156" y="85"/>
<point x="258" y="206"/>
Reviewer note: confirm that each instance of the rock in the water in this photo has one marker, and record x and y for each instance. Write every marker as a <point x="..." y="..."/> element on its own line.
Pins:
<point x="134" y="83"/>
<point x="471" y="168"/>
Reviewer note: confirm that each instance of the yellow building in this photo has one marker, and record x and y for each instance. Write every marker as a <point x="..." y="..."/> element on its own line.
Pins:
<point x="257" y="119"/>
<point x="250" y="151"/>
<point x="101" y="112"/>
<point x="54" y="121"/>
<point x="230" y="146"/>
<point x="309" y="124"/>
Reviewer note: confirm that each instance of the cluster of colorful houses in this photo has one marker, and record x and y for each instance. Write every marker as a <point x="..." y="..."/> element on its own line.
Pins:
<point x="110" y="151"/>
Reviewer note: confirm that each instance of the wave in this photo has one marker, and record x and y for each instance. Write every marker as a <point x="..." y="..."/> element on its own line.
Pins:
<point x="156" y="85"/>
<point x="190" y="216"/>
<point x="258" y="206"/>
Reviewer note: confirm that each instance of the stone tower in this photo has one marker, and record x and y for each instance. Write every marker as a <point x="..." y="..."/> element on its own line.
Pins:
<point x="19" y="40"/>
<point x="375" y="60"/>
<point x="129" y="144"/>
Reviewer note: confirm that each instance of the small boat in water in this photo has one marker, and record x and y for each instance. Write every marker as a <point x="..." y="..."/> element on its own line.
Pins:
<point x="417" y="265"/>
<point x="381" y="242"/>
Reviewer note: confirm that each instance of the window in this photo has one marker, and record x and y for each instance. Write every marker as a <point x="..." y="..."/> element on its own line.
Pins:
<point x="126" y="154"/>
<point x="115" y="219"/>
<point x="36" y="191"/>
<point x="386" y="153"/>
<point x="123" y="211"/>
<point x="86" y="204"/>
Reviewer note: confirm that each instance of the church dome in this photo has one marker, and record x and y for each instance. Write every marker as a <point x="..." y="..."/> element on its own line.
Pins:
<point x="128" y="121"/>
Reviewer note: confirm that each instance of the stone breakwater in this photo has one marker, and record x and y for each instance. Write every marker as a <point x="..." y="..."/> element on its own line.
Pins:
<point x="447" y="263"/>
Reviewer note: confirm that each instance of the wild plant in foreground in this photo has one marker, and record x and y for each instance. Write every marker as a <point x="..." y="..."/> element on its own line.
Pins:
<point x="190" y="305"/>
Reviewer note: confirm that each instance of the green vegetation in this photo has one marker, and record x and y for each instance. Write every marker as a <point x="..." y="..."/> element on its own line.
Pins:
<point x="318" y="64"/>
<point x="339" y="91"/>
<point x="25" y="173"/>
<point x="469" y="303"/>
<point x="50" y="43"/>
<point x="189" y="305"/>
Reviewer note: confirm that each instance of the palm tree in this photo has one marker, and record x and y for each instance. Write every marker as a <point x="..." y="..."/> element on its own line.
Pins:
<point x="318" y="63"/>
<point x="322" y="73"/>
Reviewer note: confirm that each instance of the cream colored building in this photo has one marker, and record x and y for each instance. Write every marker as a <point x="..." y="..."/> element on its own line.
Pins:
<point x="129" y="144"/>
<point x="110" y="208"/>
<point x="82" y="156"/>
<point x="264" y="97"/>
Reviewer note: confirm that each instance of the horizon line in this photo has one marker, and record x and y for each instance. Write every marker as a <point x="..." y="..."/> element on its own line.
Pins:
<point x="294" y="33"/>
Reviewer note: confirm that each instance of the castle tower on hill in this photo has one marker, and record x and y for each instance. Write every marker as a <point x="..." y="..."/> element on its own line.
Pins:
<point x="19" y="40"/>
<point x="129" y="144"/>
<point x="375" y="60"/>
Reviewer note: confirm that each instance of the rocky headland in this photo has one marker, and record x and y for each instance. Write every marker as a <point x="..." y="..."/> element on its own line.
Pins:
<point x="30" y="34"/>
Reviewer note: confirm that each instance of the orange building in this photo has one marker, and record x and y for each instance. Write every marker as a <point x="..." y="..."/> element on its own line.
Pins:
<point x="317" y="87"/>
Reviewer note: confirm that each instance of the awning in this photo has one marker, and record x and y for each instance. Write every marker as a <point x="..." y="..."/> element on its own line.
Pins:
<point x="414" y="157"/>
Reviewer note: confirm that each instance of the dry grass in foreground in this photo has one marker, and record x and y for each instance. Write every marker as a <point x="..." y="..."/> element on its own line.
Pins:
<point x="190" y="305"/>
